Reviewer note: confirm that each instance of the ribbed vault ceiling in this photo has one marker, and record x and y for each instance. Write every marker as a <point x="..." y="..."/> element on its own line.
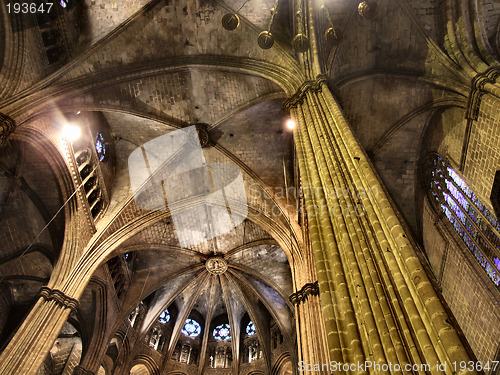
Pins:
<point x="251" y="278"/>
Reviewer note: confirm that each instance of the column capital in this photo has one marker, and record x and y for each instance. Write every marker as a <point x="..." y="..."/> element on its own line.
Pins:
<point x="7" y="126"/>
<point x="314" y="85"/>
<point x="301" y="295"/>
<point x="60" y="298"/>
<point x="477" y="91"/>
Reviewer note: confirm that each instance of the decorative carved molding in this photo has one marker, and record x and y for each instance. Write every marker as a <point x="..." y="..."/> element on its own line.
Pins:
<point x="298" y="97"/>
<point x="216" y="265"/>
<point x="301" y="295"/>
<point x="7" y="126"/>
<point x="203" y="136"/>
<point x="60" y="298"/>
<point x="79" y="370"/>
<point x="477" y="91"/>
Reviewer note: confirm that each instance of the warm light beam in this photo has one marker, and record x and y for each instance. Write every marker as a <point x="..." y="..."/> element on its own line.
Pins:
<point x="72" y="132"/>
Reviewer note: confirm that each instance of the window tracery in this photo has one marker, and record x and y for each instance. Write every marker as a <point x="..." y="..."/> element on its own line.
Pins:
<point x="164" y="316"/>
<point x="191" y="328"/>
<point x="253" y="351"/>
<point x="156" y="339"/>
<point x="222" y="332"/>
<point x="120" y="275"/>
<point x="250" y="330"/>
<point x="474" y="223"/>
<point x="221" y="357"/>
<point x="101" y="147"/>
<point x="66" y="4"/>
<point x="88" y="173"/>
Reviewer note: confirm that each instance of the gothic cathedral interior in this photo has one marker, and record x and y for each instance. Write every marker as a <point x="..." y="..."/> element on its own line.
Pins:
<point x="249" y="187"/>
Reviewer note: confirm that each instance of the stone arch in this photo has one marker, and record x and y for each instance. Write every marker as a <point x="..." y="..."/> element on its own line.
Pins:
<point x="139" y="369"/>
<point x="106" y="366"/>
<point x="149" y="364"/>
<point x="282" y="365"/>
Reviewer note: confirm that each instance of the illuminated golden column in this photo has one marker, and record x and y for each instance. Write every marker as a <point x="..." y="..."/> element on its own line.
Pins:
<point x="378" y="303"/>
<point x="33" y="340"/>
<point x="312" y="345"/>
<point x="311" y="338"/>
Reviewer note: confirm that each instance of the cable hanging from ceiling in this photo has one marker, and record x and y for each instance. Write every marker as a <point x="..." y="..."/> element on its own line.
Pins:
<point x="265" y="40"/>
<point x="300" y="40"/>
<point x="332" y="35"/>
<point x="231" y="21"/>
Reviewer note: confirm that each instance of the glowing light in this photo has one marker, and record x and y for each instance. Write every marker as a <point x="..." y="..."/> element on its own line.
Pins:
<point x="222" y="332"/>
<point x="164" y="317"/>
<point x="72" y="132"/>
<point x="291" y="124"/>
<point x="250" y="329"/>
<point x="101" y="147"/>
<point x="191" y="328"/>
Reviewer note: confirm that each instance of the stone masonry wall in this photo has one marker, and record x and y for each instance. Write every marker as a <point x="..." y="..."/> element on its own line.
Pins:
<point x="472" y="297"/>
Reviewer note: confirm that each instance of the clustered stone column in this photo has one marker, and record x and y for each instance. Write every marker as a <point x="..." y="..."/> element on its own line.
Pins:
<point x="29" y="346"/>
<point x="310" y="329"/>
<point x="378" y="303"/>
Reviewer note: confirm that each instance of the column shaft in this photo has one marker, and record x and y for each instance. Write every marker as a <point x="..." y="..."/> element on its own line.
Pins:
<point x="34" y="338"/>
<point x="377" y="301"/>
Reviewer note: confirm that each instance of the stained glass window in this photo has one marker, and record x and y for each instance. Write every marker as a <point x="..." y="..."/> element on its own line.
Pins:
<point x="222" y="332"/>
<point x="475" y="224"/>
<point x="101" y="147"/>
<point x="67" y="4"/>
<point x="191" y="328"/>
<point x="250" y="329"/>
<point x="164" y="316"/>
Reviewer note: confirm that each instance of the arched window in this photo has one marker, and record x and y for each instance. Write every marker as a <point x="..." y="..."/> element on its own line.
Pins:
<point x="101" y="147"/>
<point x="250" y="329"/>
<point x="475" y="224"/>
<point x="164" y="316"/>
<point x="222" y="332"/>
<point x="191" y="328"/>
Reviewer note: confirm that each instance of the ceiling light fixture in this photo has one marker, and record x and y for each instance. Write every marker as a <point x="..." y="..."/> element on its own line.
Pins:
<point x="266" y="39"/>
<point x="367" y="9"/>
<point x="291" y="124"/>
<point x="300" y="41"/>
<point x="332" y="36"/>
<point x="231" y="21"/>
